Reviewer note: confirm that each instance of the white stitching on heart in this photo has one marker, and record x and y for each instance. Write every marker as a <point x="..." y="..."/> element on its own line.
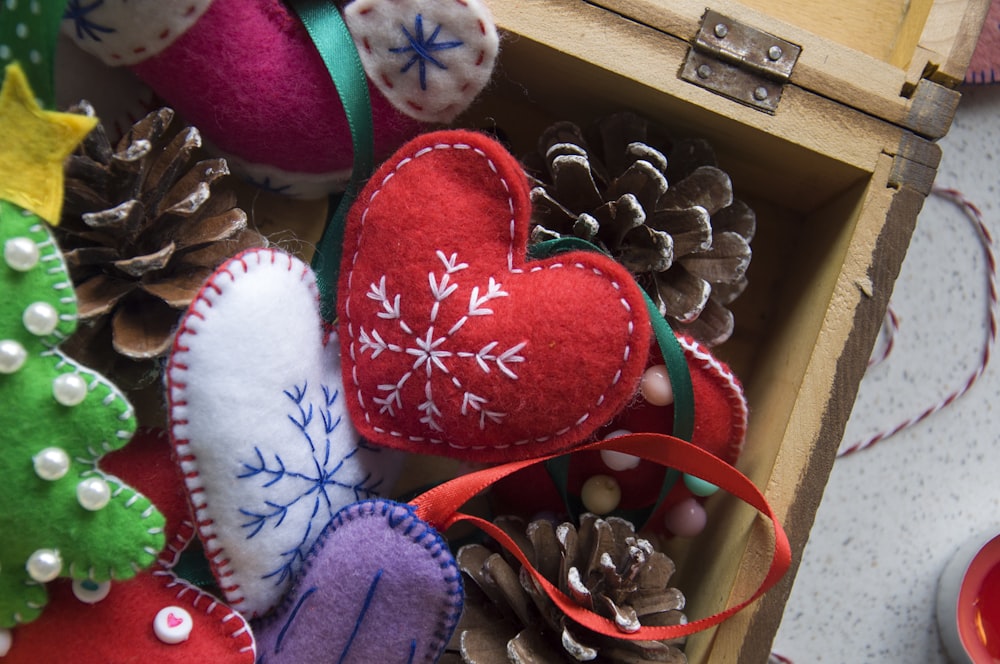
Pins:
<point x="431" y="350"/>
<point x="389" y="308"/>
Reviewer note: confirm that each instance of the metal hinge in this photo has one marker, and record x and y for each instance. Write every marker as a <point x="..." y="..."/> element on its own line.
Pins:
<point x="740" y="62"/>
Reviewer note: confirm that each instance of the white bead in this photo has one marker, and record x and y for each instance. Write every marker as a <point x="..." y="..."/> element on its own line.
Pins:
<point x="51" y="463"/>
<point x="91" y="592"/>
<point x="6" y="639"/>
<point x="69" y="389"/>
<point x="44" y="565"/>
<point x="21" y="253"/>
<point x="40" y="318"/>
<point x="600" y="494"/>
<point x="172" y="625"/>
<point x="655" y="386"/>
<point x="12" y="356"/>
<point x="619" y="460"/>
<point x="93" y="494"/>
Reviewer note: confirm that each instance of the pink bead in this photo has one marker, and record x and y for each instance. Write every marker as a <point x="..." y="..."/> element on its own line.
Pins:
<point x="655" y="386"/>
<point x="686" y="519"/>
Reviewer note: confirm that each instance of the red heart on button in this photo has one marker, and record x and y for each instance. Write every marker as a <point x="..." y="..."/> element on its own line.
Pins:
<point x="173" y="621"/>
<point x="452" y="342"/>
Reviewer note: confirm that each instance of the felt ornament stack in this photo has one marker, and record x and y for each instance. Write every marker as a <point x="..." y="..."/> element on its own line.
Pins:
<point x="62" y="516"/>
<point x="452" y="342"/>
<point x="259" y="423"/>
<point x="660" y="206"/>
<point x="247" y="74"/>
<point x="144" y="224"/>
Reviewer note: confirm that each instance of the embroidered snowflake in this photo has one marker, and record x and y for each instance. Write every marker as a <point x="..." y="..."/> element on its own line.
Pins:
<point x="301" y="489"/>
<point x="434" y="349"/>
<point x="78" y="12"/>
<point x="422" y="47"/>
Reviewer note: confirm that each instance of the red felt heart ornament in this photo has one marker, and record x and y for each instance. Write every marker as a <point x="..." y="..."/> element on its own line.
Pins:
<point x="452" y="342"/>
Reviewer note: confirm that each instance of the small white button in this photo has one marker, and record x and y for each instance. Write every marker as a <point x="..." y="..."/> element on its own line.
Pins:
<point x="172" y="625"/>
<point x="6" y="638"/>
<point x="91" y="592"/>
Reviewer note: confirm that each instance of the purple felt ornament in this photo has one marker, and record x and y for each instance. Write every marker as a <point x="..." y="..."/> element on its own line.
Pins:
<point x="380" y="585"/>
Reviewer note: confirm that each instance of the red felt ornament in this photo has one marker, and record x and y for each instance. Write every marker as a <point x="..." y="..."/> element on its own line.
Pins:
<point x="452" y="342"/>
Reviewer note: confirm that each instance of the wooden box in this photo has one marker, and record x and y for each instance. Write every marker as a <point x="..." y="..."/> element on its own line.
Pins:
<point x="836" y="169"/>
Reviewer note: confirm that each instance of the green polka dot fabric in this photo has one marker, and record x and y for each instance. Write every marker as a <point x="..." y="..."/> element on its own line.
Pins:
<point x="61" y="516"/>
<point x="28" y="33"/>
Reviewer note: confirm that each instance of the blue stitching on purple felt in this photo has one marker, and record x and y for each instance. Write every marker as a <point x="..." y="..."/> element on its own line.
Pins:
<point x="361" y="616"/>
<point x="422" y="49"/>
<point x="291" y="617"/>
<point x="77" y="12"/>
<point x="395" y="514"/>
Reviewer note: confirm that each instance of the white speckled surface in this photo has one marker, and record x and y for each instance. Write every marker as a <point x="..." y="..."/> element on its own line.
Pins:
<point x="893" y="514"/>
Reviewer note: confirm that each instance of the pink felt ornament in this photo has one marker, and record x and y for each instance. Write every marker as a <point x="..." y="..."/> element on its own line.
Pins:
<point x="247" y="74"/>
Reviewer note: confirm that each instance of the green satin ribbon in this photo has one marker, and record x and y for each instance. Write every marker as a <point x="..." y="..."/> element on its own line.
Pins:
<point x="29" y="30"/>
<point x="680" y="381"/>
<point x="329" y="33"/>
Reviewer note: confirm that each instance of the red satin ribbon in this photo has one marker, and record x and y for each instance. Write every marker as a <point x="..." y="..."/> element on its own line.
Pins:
<point x="439" y="507"/>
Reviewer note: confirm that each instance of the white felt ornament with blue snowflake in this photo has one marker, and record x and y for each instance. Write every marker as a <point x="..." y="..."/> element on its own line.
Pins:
<point x="260" y="426"/>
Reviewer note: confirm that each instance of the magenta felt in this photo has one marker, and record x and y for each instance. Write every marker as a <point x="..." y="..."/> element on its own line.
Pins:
<point x="248" y="76"/>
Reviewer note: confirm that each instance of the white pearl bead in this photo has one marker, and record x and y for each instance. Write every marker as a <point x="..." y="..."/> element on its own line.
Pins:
<point x="40" y="318"/>
<point x="600" y="494"/>
<point x="619" y="460"/>
<point x="6" y="639"/>
<point x="44" y="565"/>
<point x="655" y="386"/>
<point x="69" y="389"/>
<point x="12" y="356"/>
<point x="21" y="253"/>
<point x="51" y="463"/>
<point x="93" y="494"/>
<point x="91" y="592"/>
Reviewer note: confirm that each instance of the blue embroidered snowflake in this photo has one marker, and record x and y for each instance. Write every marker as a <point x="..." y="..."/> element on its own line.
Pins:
<point x="77" y="12"/>
<point x="423" y="48"/>
<point x="302" y="496"/>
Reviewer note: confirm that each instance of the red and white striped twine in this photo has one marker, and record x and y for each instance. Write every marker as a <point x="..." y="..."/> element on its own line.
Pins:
<point x="891" y="325"/>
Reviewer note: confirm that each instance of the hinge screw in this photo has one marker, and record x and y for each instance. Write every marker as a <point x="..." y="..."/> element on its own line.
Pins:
<point x="704" y="71"/>
<point x="775" y="53"/>
<point x="721" y="30"/>
<point x="760" y="93"/>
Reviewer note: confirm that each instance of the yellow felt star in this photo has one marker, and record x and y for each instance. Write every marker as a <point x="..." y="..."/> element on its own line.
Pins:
<point x="33" y="145"/>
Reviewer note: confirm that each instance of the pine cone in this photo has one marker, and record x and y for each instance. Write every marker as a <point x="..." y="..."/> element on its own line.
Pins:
<point x="688" y="244"/>
<point x="602" y="565"/>
<point x="142" y="228"/>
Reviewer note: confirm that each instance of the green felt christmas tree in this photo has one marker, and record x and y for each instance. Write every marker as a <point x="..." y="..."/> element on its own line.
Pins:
<point x="60" y="516"/>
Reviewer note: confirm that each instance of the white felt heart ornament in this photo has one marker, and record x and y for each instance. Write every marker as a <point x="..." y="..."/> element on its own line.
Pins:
<point x="258" y="422"/>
